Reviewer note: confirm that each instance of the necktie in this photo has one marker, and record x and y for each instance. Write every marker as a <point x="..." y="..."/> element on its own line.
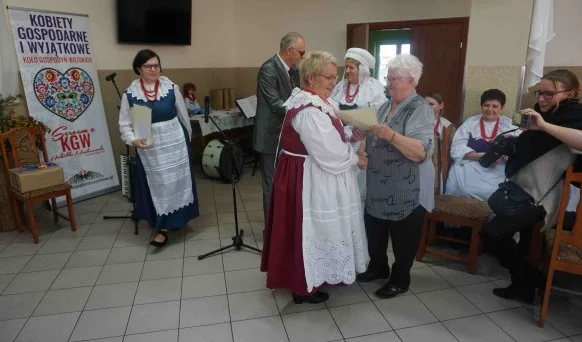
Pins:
<point x="291" y="77"/>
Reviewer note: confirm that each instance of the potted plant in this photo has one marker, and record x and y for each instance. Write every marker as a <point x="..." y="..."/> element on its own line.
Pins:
<point x="9" y="119"/>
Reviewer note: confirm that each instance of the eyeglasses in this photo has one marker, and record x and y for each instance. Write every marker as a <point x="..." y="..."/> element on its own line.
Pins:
<point x="301" y="52"/>
<point x="331" y="78"/>
<point x="152" y="67"/>
<point x="548" y="95"/>
<point x="393" y="79"/>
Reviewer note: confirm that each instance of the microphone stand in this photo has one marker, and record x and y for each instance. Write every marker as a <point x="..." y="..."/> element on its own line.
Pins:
<point x="237" y="239"/>
<point x="131" y="178"/>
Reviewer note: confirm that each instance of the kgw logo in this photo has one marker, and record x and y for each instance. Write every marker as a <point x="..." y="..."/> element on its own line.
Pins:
<point x="73" y="143"/>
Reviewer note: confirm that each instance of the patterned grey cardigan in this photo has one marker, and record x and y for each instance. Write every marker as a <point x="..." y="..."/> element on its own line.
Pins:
<point x="539" y="176"/>
<point x="395" y="184"/>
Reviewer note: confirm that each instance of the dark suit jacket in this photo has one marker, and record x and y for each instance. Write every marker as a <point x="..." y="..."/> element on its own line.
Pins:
<point x="273" y="88"/>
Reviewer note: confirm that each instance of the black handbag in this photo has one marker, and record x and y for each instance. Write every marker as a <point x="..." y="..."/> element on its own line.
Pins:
<point x="511" y="200"/>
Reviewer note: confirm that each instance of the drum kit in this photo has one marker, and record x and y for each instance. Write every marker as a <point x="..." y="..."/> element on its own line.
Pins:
<point x="217" y="159"/>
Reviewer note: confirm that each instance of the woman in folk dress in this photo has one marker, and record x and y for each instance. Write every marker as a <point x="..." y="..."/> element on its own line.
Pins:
<point x="165" y="191"/>
<point x="314" y="231"/>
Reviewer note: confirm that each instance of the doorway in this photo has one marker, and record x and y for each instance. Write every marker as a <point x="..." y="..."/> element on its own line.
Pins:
<point x="385" y="44"/>
<point x="440" y="44"/>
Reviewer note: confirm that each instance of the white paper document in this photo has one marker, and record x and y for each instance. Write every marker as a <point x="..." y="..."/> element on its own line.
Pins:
<point x="141" y="118"/>
<point x="361" y="118"/>
<point x="248" y="106"/>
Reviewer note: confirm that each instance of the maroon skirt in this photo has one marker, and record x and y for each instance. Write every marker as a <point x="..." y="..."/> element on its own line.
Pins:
<point x="282" y="257"/>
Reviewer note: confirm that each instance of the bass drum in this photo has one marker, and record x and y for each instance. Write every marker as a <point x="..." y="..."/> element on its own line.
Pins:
<point x="216" y="160"/>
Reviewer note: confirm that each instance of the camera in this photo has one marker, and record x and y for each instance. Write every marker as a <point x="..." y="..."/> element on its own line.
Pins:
<point x="525" y="121"/>
<point x="500" y="146"/>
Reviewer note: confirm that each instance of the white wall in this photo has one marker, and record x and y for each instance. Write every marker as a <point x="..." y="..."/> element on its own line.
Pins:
<point x="565" y="49"/>
<point x="212" y="33"/>
<point x="244" y="33"/>
<point x="499" y="32"/>
<point x="261" y="23"/>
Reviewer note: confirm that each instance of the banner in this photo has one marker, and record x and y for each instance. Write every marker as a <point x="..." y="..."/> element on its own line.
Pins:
<point x="62" y="91"/>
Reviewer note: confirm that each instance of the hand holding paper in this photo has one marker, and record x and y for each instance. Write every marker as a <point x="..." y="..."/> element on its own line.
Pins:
<point x="357" y="135"/>
<point x="360" y="118"/>
<point x="141" y="118"/>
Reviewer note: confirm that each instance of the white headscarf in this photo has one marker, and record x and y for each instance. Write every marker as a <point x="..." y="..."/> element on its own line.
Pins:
<point x="367" y="61"/>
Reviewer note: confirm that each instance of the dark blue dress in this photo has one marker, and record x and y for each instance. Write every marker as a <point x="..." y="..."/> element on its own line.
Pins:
<point x="163" y="109"/>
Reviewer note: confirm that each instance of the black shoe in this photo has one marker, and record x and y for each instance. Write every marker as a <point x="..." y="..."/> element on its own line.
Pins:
<point x="160" y="244"/>
<point x="389" y="291"/>
<point x="316" y="298"/>
<point x="370" y="276"/>
<point x="526" y="294"/>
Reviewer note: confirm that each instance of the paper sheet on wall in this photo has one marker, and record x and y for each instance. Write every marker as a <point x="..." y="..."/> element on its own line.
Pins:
<point x="361" y="118"/>
<point x="248" y="106"/>
<point x="141" y="118"/>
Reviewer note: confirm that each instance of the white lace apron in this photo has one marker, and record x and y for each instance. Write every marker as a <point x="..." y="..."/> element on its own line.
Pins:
<point x="334" y="240"/>
<point x="167" y="167"/>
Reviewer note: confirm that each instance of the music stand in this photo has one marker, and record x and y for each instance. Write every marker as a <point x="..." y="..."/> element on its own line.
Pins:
<point x="237" y="239"/>
<point x="248" y="107"/>
<point x="131" y="177"/>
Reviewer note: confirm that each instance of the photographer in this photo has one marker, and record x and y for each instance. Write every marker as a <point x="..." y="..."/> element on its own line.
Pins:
<point x="467" y="177"/>
<point x="542" y="154"/>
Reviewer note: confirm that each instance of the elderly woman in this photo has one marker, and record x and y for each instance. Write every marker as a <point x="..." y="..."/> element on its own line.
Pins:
<point x="400" y="177"/>
<point x="359" y="90"/>
<point x="542" y="154"/>
<point x="467" y="178"/>
<point x="314" y="231"/>
<point x="165" y="190"/>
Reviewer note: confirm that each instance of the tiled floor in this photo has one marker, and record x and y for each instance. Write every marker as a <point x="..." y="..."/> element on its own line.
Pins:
<point x="103" y="283"/>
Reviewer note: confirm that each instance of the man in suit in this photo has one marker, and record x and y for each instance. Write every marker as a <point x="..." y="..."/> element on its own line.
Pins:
<point x="275" y="81"/>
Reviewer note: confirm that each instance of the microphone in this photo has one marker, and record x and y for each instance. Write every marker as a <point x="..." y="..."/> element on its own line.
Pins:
<point x="206" y="108"/>
<point x="111" y="76"/>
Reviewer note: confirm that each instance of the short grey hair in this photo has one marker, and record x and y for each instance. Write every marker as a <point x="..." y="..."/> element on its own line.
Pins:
<point x="406" y="66"/>
<point x="289" y="39"/>
<point x="314" y="63"/>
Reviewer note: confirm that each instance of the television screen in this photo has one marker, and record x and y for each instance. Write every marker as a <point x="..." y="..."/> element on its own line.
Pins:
<point x="154" y="21"/>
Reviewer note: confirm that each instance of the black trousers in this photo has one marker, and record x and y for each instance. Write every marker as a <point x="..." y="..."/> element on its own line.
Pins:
<point x="405" y="235"/>
<point x="498" y="240"/>
<point x="267" y="170"/>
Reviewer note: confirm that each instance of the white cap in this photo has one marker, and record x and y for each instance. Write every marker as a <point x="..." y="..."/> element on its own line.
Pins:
<point x="363" y="56"/>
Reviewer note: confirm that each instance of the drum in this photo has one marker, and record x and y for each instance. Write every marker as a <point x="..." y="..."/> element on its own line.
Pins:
<point x="218" y="157"/>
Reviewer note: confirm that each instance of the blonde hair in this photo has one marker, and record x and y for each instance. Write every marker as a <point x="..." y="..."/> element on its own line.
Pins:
<point x="313" y="64"/>
<point x="566" y="77"/>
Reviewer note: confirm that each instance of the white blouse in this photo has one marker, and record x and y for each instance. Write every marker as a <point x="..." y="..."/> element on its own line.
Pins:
<point x="471" y="127"/>
<point x="371" y="94"/>
<point x="443" y="123"/>
<point x="323" y="142"/>
<point x="125" y="124"/>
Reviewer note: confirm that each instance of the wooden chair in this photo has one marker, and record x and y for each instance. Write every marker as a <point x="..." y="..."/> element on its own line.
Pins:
<point x="565" y="246"/>
<point x="460" y="211"/>
<point x="441" y="157"/>
<point x="20" y="147"/>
